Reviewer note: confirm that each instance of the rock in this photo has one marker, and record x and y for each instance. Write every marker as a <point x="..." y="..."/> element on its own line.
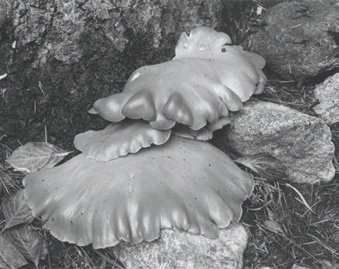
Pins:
<point x="56" y="26"/>
<point x="186" y="251"/>
<point x="301" y="142"/>
<point x="327" y="265"/>
<point x="328" y="95"/>
<point x="299" y="38"/>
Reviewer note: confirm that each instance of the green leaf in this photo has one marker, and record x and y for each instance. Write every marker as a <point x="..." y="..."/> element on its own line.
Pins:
<point x="28" y="241"/>
<point x="16" y="210"/>
<point x="10" y="257"/>
<point x="34" y="156"/>
<point x="264" y="165"/>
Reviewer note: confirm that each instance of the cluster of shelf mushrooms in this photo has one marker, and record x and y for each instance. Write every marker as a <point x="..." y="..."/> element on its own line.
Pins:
<point x="151" y="168"/>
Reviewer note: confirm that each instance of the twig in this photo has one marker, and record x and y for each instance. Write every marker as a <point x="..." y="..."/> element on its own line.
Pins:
<point x="41" y="87"/>
<point x="46" y="135"/>
<point x="3" y="76"/>
<point x="281" y="81"/>
<point x="295" y="26"/>
<point x="3" y="136"/>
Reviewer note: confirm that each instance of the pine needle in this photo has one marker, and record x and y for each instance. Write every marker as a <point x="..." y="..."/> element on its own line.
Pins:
<point x="303" y="201"/>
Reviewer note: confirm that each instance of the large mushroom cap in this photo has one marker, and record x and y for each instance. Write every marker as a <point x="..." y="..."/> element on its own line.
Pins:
<point x="184" y="184"/>
<point x="207" y="78"/>
<point x="189" y="91"/>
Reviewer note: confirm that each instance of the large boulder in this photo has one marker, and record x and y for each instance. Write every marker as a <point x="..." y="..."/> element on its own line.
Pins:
<point x="302" y="143"/>
<point x="299" y="38"/>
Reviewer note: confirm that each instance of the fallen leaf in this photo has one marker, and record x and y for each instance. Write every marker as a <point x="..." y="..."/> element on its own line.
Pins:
<point x="10" y="257"/>
<point x="273" y="226"/>
<point x="264" y="165"/>
<point x="16" y="210"/>
<point x="34" y="156"/>
<point x="28" y="241"/>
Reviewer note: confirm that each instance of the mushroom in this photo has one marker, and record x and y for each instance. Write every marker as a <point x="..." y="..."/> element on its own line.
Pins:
<point x="119" y="139"/>
<point x="186" y="91"/>
<point x="149" y="169"/>
<point x="196" y="88"/>
<point x="129" y="136"/>
<point x="185" y="184"/>
<point x="201" y="42"/>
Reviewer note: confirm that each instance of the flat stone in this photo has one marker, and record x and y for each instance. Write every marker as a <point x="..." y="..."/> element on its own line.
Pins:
<point x="182" y="250"/>
<point x="301" y="142"/>
<point x="328" y="95"/>
<point x="298" y="38"/>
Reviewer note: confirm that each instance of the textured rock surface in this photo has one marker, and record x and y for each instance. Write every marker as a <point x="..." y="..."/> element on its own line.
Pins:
<point x="299" y="38"/>
<point x="56" y="26"/>
<point x="301" y="142"/>
<point x="328" y="95"/>
<point x="186" y="251"/>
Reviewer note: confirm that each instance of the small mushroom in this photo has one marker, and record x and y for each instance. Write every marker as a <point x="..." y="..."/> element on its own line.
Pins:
<point x="186" y="185"/>
<point x="130" y="136"/>
<point x="119" y="139"/>
<point x="201" y="42"/>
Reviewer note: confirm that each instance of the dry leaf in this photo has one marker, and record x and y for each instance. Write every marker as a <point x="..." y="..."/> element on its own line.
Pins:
<point x="36" y="155"/>
<point x="16" y="210"/>
<point x="28" y="241"/>
<point x="10" y="257"/>
<point x="264" y="165"/>
<point x="273" y="226"/>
